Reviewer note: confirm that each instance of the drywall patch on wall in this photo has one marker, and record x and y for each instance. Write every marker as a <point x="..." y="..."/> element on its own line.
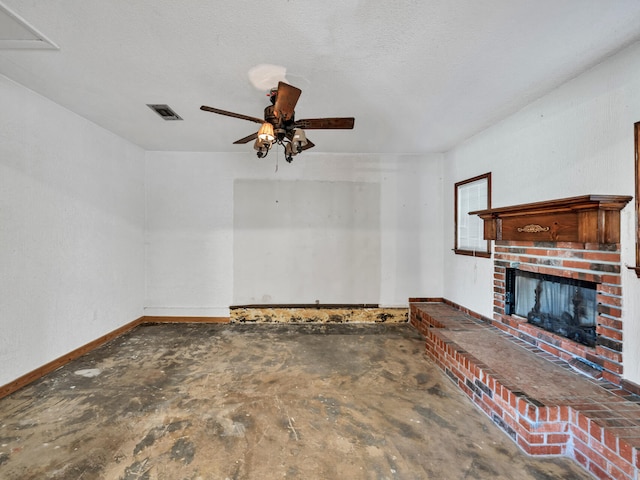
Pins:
<point x="302" y="241"/>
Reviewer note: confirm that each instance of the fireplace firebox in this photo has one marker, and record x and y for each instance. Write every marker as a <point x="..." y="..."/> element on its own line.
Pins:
<point x="564" y="306"/>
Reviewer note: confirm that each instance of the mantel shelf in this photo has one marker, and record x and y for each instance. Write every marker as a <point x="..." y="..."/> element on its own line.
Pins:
<point x="585" y="219"/>
<point x="635" y="269"/>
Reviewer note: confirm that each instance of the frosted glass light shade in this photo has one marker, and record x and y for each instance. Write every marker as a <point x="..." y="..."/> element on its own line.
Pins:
<point x="266" y="133"/>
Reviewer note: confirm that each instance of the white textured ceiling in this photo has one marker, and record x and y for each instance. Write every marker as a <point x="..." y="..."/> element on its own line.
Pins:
<point x="418" y="75"/>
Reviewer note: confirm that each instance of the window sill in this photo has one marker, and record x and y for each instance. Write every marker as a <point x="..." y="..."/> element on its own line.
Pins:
<point x="472" y="253"/>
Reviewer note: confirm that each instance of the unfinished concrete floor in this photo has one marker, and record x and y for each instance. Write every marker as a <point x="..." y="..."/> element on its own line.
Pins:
<point x="233" y="401"/>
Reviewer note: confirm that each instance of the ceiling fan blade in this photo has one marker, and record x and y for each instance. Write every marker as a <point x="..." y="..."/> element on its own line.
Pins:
<point x="342" y="123"/>
<point x="246" y="139"/>
<point x="309" y="145"/>
<point x="231" y="114"/>
<point x="286" y="100"/>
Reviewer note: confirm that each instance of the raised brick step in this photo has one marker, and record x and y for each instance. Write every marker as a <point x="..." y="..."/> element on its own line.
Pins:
<point x="543" y="404"/>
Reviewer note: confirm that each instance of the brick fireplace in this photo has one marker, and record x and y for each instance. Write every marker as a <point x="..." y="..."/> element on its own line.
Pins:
<point x="597" y="263"/>
<point x="522" y="375"/>
<point x="574" y="238"/>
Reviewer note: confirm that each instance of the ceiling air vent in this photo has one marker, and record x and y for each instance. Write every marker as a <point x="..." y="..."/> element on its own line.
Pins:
<point x="164" y="111"/>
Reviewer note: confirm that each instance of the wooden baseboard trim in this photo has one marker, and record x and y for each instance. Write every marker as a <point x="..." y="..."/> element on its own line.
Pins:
<point x="426" y="300"/>
<point x="40" y="372"/>
<point x="162" y="319"/>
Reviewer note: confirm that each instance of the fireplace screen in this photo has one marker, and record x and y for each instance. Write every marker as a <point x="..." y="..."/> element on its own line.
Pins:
<point x="560" y="305"/>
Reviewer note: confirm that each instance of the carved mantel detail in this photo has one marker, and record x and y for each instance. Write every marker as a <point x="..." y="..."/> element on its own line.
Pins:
<point x="533" y="228"/>
<point x="585" y="219"/>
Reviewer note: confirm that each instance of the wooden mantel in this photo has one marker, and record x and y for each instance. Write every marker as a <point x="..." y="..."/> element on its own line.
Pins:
<point x="585" y="219"/>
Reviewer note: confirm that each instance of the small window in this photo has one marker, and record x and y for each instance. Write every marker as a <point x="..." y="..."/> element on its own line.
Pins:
<point x="470" y="195"/>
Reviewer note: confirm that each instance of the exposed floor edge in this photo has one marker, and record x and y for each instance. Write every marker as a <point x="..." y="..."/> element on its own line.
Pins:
<point x="314" y="314"/>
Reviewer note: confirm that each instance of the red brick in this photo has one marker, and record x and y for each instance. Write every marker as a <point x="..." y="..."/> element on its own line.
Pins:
<point x="557" y="438"/>
<point x="610" y="310"/>
<point x="611" y="377"/>
<point x="613" y="257"/>
<point x="580" y="458"/>
<point x="510" y="421"/>
<point x="609" y="300"/>
<point x="618" y="474"/>
<point x="610" y="322"/>
<point x="543" y="414"/>
<point x="553" y="414"/>
<point x="610" y="289"/>
<point x="549" y="349"/>
<point x="523" y="443"/>
<point x="612" y="366"/>
<point x="610" y="440"/>
<point x="594" y="457"/>
<point x="531" y="412"/>
<point x="546" y="450"/>
<point x="580" y="434"/>
<point x="493" y="385"/>
<point x="609" y="354"/>
<point x="582" y="422"/>
<point x="465" y="389"/>
<point x="505" y="395"/>
<point x="597" y="471"/>
<point x="611" y="279"/>
<point x="613" y="458"/>
<point x="483" y="406"/>
<point x="576" y="264"/>
<point x="524" y="423"/>
<point x="609" y="333"/>
<point x="523" y="406"/>
<point x="595" y="431"/>
<point x="532" y="438"/>
<point x="551" y="427"/>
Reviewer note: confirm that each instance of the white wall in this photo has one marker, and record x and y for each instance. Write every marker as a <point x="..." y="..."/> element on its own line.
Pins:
<point x="190" y="229"/>
<point x="577" y="140"/>
<point x="71" y="231"/>
<point x="319" y="238"/>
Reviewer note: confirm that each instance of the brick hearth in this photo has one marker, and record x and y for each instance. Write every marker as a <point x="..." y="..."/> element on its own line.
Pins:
<point x="535" y="397"/>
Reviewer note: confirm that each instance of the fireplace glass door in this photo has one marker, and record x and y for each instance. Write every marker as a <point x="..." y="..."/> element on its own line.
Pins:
<point x="560" y="305"/>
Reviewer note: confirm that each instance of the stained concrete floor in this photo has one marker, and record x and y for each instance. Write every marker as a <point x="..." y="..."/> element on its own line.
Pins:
<point x="233" y="401"/>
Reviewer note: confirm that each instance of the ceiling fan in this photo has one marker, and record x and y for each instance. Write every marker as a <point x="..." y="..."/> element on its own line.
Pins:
<point x="279" y="125"/>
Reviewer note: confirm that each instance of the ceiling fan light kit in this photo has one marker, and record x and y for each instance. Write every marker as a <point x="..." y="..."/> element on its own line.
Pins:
<point x="299" y="140"/>
<point x="266" y="133"/>
<point x="279" y="125"/>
